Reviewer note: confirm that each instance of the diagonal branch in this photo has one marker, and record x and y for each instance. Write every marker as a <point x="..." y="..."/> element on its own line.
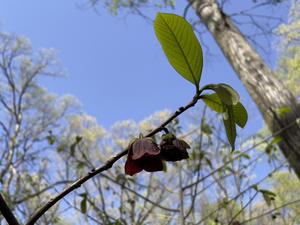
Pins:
<point x="40" y="212"/>
<point x="7" y="213"/>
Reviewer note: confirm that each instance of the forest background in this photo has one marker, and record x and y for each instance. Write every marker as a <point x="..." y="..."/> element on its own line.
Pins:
<point x="116" y="71"/>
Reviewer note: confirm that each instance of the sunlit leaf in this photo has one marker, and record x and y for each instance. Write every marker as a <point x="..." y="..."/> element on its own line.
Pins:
<point x="225" y="92"/>
<point x="229" y="123"/>
<point x="180" y="45"/>
<point x="213" y="102"/>
<point x="240" y="115"/>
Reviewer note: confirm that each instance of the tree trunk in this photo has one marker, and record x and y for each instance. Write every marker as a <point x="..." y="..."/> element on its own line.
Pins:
<point x="266" y="90"/>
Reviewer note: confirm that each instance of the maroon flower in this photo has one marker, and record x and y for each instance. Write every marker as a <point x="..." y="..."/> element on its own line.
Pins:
<point x="173" y="149"/>
<point x="143" y="154"/>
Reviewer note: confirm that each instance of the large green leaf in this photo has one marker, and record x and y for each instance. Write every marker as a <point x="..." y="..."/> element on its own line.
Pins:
<point x="229" y="123"/>
<point x="240" y="115"/>
<point x="226" y="93"/>
<point x="180" y="45"/>
<point x="213" y="102"/>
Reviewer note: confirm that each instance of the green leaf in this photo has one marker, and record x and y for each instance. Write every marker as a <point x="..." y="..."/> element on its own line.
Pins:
<point x="72" y="149"/>
<point x="213" y="102"/>
<point x="78" y="139"/>
<point x="271" y="147"/>
<point x="206" y="129"/>
<point x="276" y="140"/>
<point x="83" y="205"/>
<point x="73" y="146"/>
<point x="283" y="111"/>
<point x="255" y="187"/>
<point x="208" y="162"/>
<point x="229" y="123"/>
<point x="246" y="156"/>
<point x="240" y="115"/>
<point x="50" y="139"/>
<point x="180" y="45"/>
<point x="268" y="196"/>
<point x="61" y="148"/>
<point x="225" y="92"/>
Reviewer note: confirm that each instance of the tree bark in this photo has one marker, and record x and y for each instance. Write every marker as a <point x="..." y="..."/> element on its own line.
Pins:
<point x="266" y="90"/>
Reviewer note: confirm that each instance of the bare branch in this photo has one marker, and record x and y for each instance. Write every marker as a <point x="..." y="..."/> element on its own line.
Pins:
<point x="7" y="213"/>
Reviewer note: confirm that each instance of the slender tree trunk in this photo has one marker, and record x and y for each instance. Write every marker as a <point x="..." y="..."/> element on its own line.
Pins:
<point x="266" y="90"/>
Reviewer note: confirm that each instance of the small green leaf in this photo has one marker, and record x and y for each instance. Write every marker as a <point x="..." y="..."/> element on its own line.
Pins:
<point x="276" y="140"/>
<point x="213" y="102"/>
<point x="83" y="205"/>
<point x="83" y="195"/>
<point x="271" y="147"/>
<point x="208" y="162"/>
<point x="78" y="139"/>
<point x="206" y="129"/>
<point x="61" y="148"/>
<point x="255" y="187"/>
<point x="246" y="156"/>
<point x="225" y="92"/>
<point x="240" y="115"/>
<point x="268" y="196"/>
<point x="73" y="146"/>
<point x="72" y="149"/>
<point x="283" y="111"/>
<point x="229" y="123"/>
<point x="180" y="45"/>
<point x="51" y="139"/>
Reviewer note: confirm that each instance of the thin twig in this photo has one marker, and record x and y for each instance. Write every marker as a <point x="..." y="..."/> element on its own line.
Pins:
<point x="238" y="195"/>
<point x="270" y="211"/>
<point x="243" y="208"/>
<point x="240" y="155"/>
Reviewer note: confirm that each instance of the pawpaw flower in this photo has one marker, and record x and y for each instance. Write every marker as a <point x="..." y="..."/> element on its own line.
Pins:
<point x="173" y="149"/>
<point x="143" y="154"/>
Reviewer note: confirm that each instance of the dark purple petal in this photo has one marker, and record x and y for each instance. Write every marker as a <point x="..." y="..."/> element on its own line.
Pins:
<point x="152" y="164"/>
<point x="144" y="147"/>
<point x="174" y="154"/>
<point x="173" y="149"/>
<point x="132" y="166"/>
<point x="137" y="149"/>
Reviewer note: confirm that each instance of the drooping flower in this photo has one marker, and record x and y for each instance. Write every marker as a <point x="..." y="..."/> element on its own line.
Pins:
<point x="173" y="149"/>
<point x="143" y="154"/>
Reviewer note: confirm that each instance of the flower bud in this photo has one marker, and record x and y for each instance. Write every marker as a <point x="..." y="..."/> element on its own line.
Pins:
<point x="173" y="149"/>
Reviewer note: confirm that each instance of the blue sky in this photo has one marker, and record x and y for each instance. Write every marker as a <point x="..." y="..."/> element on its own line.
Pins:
<point x="115" y="65"/>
